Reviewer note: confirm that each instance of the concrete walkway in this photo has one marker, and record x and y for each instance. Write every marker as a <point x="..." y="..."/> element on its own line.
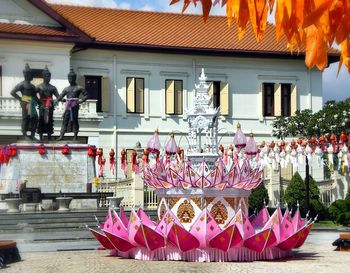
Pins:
<point x="316" y="255"/>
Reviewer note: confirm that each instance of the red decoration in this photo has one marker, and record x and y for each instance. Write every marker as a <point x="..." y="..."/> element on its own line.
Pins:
<point x="12" y="151"/>
<point x="92" y="151"/>
<point x="293" y="145"/>
<point x="134" y="162"/>
<point x="333" y="139"/>
<point x="282" y="145"/>
<point x="65" y="150"/>
<point x="123" y="161"/>
<point x="323" y="143"/>
<point x="145" y="159"/>
<point x="2" y="155"/>
<point x="99" y="152"/>
<point x="42" y="150"/>
<point x="300" y="140"/>
<point x="343" y="138"/>
<point x="112" y="161"/>
<point x="100" y="161"/>
<point x="179" y="153"/>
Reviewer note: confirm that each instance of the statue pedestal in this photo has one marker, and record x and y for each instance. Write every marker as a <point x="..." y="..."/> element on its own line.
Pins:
<point x="63" y="203"/>
<point x="114" y="201"/>
<point x="52" y="172"/>
<point x="12" y="204"/>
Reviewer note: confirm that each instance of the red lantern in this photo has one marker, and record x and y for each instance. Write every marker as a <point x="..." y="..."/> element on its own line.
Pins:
<point x="12" y="151"/>
<point x="65" y="150"/>
<point x="221" y="148"/>
<point x="41" y="150"/>
<point x="293" y="144"/>
<point x="343" y="138"/>
<point x="2" y="155"/>
<point x="123" y="164"/>
<point x="179" y="153"/>
<point x="103" y="160"/>
<point x="91" y="151"/>
<point x="300" y="140"/>
<point x="111" y="161"/>
<point x="99" y="152"/>
<point x="282" y="145"/>
<point x="333" y="139"/>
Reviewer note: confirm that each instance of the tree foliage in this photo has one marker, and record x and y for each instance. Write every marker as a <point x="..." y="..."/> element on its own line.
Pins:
<point x="339" y="210"/>
<point x="296" y="193"/>
<point x="257" y="197"/>
<point x="333" y="118"/>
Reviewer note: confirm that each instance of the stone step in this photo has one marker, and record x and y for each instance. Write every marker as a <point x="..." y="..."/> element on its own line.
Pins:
<point x="90" y="218"/>
<point x="53" y="221"/>
<point x="50" y="215"/>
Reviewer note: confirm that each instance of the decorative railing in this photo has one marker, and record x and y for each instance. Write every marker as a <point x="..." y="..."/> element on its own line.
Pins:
<point x="120" y="188"/>
<point x="130" y="191"/>
<point x="150" y="199"/>
<point x="11" y="107"/>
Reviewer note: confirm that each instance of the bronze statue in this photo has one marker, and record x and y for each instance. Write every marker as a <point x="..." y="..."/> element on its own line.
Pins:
<point x="28" y="100"/>
<point x="46" y="92"/>
<point x="75" y="95"/>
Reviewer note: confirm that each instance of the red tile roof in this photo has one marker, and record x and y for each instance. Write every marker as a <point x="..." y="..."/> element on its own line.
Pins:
<point x="11" y="28"/>
<point x="169" y="30"/>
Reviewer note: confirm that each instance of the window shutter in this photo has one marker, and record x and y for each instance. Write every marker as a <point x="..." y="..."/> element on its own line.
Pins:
<point x="224" y="98"/>
<point x="261" y="102"/>
<point x="130" y="95"/>
<point x="278" y="99"/>
<point x="0" y="80"/>
<point x="294" y="100"/>
<point x="211" y="92"/>
<point x="178" y="97"/>
<point x="139" y="95"/>
<point x="81" y="81"/>
<point x="170" y="104"/>
<point x="105" y="94"/>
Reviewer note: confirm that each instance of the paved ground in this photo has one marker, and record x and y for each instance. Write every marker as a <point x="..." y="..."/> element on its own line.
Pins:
<point x="317" y="255"/>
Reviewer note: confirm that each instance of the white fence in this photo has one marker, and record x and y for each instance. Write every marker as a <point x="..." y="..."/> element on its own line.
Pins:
<point x="9" y="106"/>
<point x="132" y="190"/>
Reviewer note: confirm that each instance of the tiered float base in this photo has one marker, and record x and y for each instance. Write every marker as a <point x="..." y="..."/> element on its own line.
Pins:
<point x="169" y="253"/>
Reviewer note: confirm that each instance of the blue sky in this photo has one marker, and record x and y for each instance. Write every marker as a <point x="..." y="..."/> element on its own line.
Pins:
<point x="336" y="88"/>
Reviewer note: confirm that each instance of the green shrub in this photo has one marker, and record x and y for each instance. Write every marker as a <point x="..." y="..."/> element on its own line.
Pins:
<point x="257" y="198"/>
<point x="336" y="209"/>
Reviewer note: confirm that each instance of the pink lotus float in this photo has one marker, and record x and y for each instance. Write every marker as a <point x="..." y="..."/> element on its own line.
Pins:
<point x="260" y="237"/>
<point x="203" y="200"/>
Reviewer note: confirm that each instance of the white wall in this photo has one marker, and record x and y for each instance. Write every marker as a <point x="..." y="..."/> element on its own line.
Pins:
<point x="15" y="54"/>
<point x="244" y="76"/>
<point x="23" y="12"/>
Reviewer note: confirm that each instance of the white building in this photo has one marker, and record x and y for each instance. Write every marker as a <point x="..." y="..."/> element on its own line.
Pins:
<point x="140" y="69"/>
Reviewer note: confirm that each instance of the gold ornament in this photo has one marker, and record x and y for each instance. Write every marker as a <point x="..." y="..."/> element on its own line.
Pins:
<point x="185" y="212"/>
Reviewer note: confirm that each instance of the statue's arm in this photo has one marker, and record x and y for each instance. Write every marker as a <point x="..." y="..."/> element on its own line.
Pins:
<point x="60" y="97"/>
<point x="55" y="93"/>
<point x="14" y="91"/>
<point x="84" y="95"/>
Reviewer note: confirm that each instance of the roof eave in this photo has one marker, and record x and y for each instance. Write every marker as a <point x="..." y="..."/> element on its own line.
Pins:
<point x="31" y="37"/>
<point x="71" y="28"/>
<point x="200" y="51"/>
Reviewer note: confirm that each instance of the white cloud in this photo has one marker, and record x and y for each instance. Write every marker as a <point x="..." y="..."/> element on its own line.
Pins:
<point x="148" y="8"/>
<point x="94" y="3"/>
<point x="124" y="5"/>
